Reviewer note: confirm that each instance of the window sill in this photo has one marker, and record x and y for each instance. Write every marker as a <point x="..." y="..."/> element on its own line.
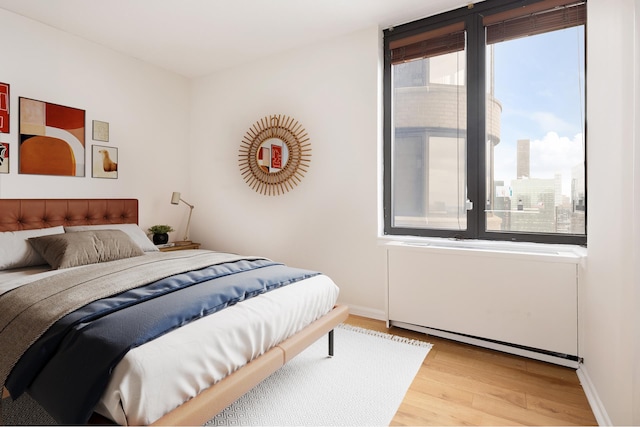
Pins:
<point x="543" y="252"/>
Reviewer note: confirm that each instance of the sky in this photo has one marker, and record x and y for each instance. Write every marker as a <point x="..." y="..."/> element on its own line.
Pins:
<point x="539" y="81"/>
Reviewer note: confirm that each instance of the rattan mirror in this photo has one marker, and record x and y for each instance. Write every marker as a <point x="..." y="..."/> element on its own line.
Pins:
<point x="274" y="155"/>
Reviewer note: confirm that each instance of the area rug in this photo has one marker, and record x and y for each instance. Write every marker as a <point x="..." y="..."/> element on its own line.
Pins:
<point x="362" y="385"/>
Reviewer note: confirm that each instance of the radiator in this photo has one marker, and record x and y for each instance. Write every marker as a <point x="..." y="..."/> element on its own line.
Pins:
<point x="524" y="302"/>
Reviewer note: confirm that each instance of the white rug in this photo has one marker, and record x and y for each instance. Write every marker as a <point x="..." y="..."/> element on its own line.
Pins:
<point x="363" y="384"/>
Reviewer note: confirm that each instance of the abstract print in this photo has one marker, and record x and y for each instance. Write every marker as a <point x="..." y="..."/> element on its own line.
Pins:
<point x="52" y="139"/>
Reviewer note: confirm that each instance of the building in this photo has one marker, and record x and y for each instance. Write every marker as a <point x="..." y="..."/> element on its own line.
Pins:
<point x="524" y="159"/>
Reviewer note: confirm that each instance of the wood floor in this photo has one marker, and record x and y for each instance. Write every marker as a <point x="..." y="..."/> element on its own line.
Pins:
<point x="459" y="384"/>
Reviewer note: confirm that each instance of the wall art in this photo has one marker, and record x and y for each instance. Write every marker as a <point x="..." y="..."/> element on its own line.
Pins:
<point x="4" y="108"/>
<point x="274" y="155"/>
<point x="104" y="162"/>
<point x="52" y="139"/>
<point x="100" y="131"/>
<point x="4" y="157"/>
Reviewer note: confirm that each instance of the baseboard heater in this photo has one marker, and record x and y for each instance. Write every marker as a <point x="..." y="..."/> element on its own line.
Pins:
<point x="562" y="359"/>
<point x="525" y="304"/>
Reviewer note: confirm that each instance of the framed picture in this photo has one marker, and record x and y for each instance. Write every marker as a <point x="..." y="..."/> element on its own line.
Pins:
<point x="4" y="108"/>
<point x="100" y="131"/>
<point x="4" y="157"/>
<point x="104" y="162"/>
<point x="52" y="139"/>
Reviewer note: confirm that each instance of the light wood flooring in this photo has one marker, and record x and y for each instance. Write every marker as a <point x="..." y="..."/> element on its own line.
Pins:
<point x="460" y="384"/>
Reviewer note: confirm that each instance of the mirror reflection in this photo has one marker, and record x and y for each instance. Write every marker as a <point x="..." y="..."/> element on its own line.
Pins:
<point x="272" y="155"/>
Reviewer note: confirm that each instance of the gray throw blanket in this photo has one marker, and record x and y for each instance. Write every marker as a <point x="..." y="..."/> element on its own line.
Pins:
<point x="28" y="311"/>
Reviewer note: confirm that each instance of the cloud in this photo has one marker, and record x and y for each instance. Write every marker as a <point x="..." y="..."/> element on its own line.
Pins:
<point x="555" y="154"/>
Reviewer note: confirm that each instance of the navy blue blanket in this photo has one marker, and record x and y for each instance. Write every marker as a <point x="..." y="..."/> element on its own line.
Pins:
<point x="68" y="368"/>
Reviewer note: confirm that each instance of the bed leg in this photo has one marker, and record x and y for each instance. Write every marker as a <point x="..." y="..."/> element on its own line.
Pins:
<point x="331" y="343"/>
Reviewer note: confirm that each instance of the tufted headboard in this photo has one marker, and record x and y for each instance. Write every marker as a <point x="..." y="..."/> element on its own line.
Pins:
<point x="25" y="214"/>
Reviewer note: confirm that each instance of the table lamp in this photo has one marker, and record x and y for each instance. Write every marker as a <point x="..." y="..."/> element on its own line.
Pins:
<point x="175" y="200"/>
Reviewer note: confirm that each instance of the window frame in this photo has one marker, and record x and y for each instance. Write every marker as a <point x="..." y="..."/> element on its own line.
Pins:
<point x="473" y="17"/>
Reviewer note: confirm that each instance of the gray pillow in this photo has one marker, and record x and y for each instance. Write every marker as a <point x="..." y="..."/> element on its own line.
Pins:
<point x="133" y="230"/>
<point x="85" y="247"/>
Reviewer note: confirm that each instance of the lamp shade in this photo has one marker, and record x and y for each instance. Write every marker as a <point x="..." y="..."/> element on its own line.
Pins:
<point x="175" y="198"/>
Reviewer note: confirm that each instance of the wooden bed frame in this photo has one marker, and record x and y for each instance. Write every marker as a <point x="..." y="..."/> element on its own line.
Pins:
<point x="25" y="214"/>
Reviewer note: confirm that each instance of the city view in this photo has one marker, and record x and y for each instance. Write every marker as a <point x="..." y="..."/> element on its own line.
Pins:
<point x="535" y="145"/>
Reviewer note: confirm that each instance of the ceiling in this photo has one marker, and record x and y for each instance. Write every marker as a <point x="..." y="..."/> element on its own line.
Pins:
<point x="197" y="37"/>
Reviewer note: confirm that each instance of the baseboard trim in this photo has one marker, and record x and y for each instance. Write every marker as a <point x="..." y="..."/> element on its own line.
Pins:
<point x="599" y="411"/>
<point x="358" y="310"/>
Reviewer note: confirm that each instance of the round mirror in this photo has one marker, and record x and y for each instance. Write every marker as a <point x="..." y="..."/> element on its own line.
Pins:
<point x="274" y="155"/>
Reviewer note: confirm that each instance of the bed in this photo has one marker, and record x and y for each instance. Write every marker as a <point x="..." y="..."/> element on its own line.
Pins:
<point x="184" y="374"/>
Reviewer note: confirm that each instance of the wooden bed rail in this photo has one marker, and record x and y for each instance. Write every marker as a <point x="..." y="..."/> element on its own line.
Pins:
<point x="215" y="399"/>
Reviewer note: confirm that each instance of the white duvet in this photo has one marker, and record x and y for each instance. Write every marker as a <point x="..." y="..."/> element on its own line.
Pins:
<point x="162" y="374"/>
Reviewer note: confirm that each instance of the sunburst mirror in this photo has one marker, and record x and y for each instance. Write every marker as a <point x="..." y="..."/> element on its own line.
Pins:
<point x="274" y="155"/>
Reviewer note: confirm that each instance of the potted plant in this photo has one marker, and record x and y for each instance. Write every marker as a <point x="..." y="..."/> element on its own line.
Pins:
<point x="160" y="236"/>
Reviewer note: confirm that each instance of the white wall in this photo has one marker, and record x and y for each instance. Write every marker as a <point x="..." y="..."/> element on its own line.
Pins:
<point x="329" y="221"/>
<point x="147" y="109"/>
<point x="610" y="292"/>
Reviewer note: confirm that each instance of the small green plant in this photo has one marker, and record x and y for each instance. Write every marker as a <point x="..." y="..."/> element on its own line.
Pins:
<point x="160" y="229"/>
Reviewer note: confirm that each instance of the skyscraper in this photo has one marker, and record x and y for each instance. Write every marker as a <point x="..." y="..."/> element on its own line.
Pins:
<point x="523" y="161"/>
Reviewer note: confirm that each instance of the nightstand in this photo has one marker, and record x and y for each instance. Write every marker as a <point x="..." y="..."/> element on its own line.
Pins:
<point x="181" y="247"/>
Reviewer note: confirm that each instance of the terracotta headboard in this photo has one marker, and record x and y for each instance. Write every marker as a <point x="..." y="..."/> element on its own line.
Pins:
<point x="25" y="214"/>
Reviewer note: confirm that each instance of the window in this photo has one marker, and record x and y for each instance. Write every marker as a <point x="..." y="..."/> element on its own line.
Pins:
<point x="484" y="123"/>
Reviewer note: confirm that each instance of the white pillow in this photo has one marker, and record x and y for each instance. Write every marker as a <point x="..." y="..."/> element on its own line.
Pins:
<point x="133" y="230"/>
<point x="16" y="251"/>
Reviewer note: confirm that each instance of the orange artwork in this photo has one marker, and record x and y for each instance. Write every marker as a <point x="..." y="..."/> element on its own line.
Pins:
<point x="52" y="139"/>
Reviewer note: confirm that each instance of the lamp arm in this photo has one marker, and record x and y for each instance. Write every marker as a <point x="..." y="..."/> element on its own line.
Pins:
<point x="186" y="233"/>
<point x="188" y="204"/>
